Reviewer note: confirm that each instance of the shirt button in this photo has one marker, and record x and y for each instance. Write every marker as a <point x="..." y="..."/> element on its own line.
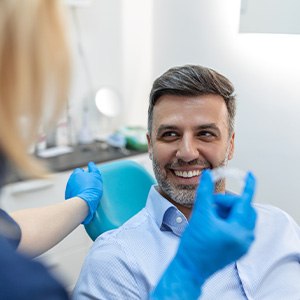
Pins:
<point x="178" y="220"/>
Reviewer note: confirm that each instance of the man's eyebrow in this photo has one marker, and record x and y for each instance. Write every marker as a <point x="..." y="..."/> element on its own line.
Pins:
<point x="162" y="128"/>
<point x="211" y="126"/>
<point x="208" y="126"/>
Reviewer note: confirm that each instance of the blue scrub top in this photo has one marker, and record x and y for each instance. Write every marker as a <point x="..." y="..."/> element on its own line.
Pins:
<point x="21" y="277"/>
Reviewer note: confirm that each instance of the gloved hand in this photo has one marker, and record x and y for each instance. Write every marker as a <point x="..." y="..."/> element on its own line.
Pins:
<point x="220" y="231"/>
<point x="87" y="186"/>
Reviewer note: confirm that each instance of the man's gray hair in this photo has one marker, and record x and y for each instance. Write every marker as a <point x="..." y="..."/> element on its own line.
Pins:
<point x="193" y="80"/>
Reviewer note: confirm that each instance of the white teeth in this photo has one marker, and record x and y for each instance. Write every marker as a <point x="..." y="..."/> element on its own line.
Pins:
<point x="187" y="174"/>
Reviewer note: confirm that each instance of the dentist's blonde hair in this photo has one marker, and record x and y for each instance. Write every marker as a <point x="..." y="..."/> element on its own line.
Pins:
<point x="34" y="74"/>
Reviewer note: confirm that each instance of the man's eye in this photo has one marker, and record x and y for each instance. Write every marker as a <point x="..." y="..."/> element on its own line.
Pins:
<point x="169" y="135"/>
<point x="206" y="134"/>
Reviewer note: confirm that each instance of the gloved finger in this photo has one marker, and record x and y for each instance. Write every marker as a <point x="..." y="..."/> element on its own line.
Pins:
<point x="68" y="191"/>
<point x="243" y="207"/>
<point x="223" y="203"/>
<point x="252" y="217"/>
<point x="93" y="168"/>
<point x="204" y="193"/>
<point x="249" y="188"/>
<point x="225" y="200"/>
<point x="78" y="170"/>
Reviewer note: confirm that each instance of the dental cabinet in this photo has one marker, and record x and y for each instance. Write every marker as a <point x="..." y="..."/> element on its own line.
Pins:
<point x="66" y="258"/>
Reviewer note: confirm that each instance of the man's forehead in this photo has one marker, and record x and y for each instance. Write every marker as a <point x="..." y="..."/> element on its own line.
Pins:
<point x="207" y="108"/>
<point x="197" y="100"/>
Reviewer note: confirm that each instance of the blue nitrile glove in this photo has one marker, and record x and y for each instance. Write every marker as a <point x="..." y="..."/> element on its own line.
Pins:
<point x="220" y="231"/>
<point x="87" y="186"/>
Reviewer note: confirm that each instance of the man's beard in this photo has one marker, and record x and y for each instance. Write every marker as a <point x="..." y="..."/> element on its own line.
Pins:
<point x="184" y="194"/>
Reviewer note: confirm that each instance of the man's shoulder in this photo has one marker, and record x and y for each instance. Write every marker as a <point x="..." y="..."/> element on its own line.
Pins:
<point x="111" y="262"/>
<point x="125" y="260"/>
<point x="140" y="236"/>
<point x="274" y="218"/>
<point x="271" y="211"/>
<point x="111" y="247"/>
<point x="132" y="230"/>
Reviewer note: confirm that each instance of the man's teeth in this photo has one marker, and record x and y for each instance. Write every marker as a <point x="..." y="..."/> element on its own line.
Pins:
<point x="187" y="174"/>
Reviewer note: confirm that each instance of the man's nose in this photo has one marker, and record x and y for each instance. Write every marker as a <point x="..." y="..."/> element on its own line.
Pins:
<point x="187" y="149"/>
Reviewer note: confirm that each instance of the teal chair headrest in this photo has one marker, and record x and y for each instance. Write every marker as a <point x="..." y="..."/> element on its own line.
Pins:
<point x="125" y="190"/>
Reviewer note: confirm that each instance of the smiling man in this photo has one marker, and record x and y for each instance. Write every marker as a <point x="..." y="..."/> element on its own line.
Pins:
<point x="190" y="129"/>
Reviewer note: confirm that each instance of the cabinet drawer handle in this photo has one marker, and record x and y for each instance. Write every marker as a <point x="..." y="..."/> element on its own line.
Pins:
<point x="30" y="186"/>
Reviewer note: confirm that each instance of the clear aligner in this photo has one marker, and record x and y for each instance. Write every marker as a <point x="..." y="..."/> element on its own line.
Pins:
<point x="230" y="173"/>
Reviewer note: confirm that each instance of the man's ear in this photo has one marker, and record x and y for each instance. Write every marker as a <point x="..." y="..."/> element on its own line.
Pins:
<point x="149" y="145"/>
<point x="231" y="146"/>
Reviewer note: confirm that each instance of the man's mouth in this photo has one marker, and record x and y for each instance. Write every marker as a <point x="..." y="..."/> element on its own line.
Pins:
<point x="187" y="174"/>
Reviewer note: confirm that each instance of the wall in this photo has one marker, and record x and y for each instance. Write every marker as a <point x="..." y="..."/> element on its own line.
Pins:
<point x="116" y="38"/>
<point x="270" y="16"/>
<point x="99" y="28"/>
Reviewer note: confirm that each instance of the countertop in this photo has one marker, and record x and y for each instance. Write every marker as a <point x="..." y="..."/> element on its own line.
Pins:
<point x="97" y="152"/>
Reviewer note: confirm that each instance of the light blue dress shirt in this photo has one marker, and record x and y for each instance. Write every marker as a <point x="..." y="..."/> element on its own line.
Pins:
<point x="126" y="263"/>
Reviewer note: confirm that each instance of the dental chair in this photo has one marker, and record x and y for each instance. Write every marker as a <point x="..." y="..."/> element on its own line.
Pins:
<point x="125" y="190"/>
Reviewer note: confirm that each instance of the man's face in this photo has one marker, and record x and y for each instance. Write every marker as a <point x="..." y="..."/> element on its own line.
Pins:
<point x="189" y="134"/>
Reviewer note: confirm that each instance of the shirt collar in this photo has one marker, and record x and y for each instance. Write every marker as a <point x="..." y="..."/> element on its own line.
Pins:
<point x="165" y="214"/>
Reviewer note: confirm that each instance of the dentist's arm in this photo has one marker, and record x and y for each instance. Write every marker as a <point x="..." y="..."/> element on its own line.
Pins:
<point x="42" y="228"/>
<point x="220" y="231"/>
